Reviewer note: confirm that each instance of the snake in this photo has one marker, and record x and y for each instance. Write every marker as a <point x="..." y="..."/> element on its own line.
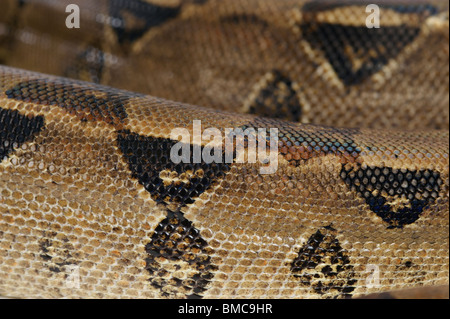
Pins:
<point x="116" y="179"/>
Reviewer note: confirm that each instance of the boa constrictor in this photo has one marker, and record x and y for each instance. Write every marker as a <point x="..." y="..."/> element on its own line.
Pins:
<point x="92" y="204"/>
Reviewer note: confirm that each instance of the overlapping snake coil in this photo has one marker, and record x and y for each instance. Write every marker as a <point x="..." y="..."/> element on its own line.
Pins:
<point x="93" y="206"/>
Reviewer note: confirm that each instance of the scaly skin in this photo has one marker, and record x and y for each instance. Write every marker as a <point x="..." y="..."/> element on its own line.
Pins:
<point x="92" y="206"/>
<point x="291" y="59"/>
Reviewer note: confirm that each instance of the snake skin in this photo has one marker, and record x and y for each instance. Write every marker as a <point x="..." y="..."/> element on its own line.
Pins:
<point x="92" y="206"/>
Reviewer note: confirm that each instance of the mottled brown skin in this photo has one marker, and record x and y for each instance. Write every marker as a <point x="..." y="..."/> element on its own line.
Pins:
<point x="271" y="58"/>
<point x="80" y="189"/>
<point x="91" y="205"/>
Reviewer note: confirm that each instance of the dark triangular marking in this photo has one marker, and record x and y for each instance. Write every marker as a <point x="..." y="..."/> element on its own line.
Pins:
<point x="324" y="266"/>
<point x="356" y="53"/>
<point x="149" y="161"/>
<point x="16" y="129"/>
<point x="277" y="99"/>
<point x="177" y="240"/>
<point x="131" y="19"/>
<point x="381" y="187"/>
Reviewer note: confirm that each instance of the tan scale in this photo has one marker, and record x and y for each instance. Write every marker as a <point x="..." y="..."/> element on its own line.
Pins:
<point x="91" y="207"/>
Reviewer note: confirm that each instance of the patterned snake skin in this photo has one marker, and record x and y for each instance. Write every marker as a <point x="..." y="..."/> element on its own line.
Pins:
<point x="93" y="206"/>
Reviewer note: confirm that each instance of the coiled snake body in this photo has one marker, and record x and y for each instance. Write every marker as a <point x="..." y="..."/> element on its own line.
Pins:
<point x="92" y="205"/>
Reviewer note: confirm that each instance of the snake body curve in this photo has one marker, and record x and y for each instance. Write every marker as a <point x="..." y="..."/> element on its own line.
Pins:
<point x="92" y="205"/>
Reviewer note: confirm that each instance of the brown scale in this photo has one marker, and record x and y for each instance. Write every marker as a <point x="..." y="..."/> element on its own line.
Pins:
<point x="298" y="143"/>
<point x="252" y="223"/>
<point x="57" y="252"/>
<point x="348" y="75"/>
<point x="75" y="99"/>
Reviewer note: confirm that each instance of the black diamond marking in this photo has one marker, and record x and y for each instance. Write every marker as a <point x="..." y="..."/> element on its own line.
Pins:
<point x="148" y="15"/>
<point x="343" y="45"/>
<point x="176" y="239"/>
<point x="16" y="129"/>
<point x="324" y="266"/>
<point x="148" y="157"/>
<point x="277" y="99"/>
<point x="381" y="186"/>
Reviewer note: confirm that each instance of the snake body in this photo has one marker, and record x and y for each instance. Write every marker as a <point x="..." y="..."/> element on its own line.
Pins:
<point x="92" y="204"/>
